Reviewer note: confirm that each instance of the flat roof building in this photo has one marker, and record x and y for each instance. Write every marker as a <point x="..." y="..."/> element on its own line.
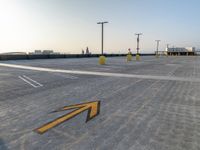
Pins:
<point x="43" y="52"/>
<point x="181" y="51"/>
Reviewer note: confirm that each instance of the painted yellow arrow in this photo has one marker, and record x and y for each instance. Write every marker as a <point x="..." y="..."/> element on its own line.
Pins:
<point x="92" y="107"/>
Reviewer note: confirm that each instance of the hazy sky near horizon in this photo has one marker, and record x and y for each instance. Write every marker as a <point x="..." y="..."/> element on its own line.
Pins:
<point x="71" y="25"/>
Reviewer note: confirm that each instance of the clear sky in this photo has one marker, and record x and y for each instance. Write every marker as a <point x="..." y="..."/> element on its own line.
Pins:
<point x="71" y="25"/>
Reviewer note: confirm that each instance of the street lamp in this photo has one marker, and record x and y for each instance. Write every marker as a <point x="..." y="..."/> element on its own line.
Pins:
<point x="157" y="41"/>
<point x="167" y="49"/>
<point x="102" y="24"/>
<point x="102" y="59"/>
<point x="138" y="42"/>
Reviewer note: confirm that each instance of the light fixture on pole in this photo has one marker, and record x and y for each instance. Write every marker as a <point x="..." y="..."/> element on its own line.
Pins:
<point x="167" y="49"/>
<point x="102" y="25"/>
<point x="102" y="59"/>
<point x="138" y="48"/>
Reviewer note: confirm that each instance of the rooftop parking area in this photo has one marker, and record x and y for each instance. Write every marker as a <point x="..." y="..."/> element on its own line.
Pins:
<point x="151" y="104"/>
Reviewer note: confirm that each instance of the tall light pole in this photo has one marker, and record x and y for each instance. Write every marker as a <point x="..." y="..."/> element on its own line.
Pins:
<point x="138" y="41"/>
<point x="102" y="23"/>
<point x="157" y="41"/>
<point x="168" y="45"/>
<point x="167" y="49"/>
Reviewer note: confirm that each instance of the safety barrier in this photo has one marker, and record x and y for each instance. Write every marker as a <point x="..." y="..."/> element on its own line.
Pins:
<point x="53" y="56"/>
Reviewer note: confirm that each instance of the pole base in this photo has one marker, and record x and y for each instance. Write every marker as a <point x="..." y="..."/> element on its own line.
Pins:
<point x="102" y="60"/>
<point x="129" y="57"/>
<point x="137" y="57"/>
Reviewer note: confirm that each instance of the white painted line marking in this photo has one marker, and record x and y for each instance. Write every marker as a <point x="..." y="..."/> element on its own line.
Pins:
<point x="153" y="77"/>
<point x="66" y="76"/>
<point x="28" y="82"/>
<point x="32" y="80"/>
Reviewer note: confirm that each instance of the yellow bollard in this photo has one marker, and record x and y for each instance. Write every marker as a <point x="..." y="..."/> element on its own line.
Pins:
<point x="129" y="57"/>
<point x="137" y="57"/>
<point x="102" y="60"/>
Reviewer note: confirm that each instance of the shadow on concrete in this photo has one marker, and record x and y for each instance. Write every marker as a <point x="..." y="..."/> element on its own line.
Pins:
<point x="3" y="145"/>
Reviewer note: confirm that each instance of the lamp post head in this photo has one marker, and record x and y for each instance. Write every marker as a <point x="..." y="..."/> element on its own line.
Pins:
<point x="138" y="33"/>
<point x="102" y="22"/>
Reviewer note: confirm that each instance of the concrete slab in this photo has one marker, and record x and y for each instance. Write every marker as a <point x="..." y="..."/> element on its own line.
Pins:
<point x="136" y="113"/>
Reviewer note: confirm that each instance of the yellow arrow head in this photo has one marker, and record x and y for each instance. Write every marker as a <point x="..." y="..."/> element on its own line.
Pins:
<point x="92" y="107"/>
<point x="93" y="111"/>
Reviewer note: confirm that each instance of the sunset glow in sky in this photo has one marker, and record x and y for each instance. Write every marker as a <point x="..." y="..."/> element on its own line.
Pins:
<point x="69" y="26"/>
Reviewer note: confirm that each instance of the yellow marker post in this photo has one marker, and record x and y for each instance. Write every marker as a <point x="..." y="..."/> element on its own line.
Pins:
<point x="102" y="60"/>
<point x="137" y="57"/>
<point x="157" y="56"/>
<point x="129" y="57"/>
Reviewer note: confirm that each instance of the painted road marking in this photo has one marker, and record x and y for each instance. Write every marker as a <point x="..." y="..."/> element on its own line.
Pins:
<point x="30" y="81"/>
<point x="153" y="77"/>
<point x="92" y="107"/>
<point x="39" y="84"/>
<point x="66" y="76"/>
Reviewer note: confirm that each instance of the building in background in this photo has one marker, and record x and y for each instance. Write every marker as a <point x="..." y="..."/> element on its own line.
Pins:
<point x="48" y="52"/>
<point x="197" y="51"/>
<point x="87" y="51"/>
<point x="44" y="52"/>
<point x="181" y="51"/>
<point x="38" y="52"/>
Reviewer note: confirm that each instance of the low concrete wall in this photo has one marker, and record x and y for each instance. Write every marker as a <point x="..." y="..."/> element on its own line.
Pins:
<point x="53" y="56"/>
<point x="13" y="57"/>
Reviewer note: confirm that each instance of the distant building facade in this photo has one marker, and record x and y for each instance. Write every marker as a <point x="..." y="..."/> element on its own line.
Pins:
<point x="87" y="51"/>
<point x="47" y="52"/>
<point x="44" y="52"/>
<point x="197" y="52"/>
<point x="38" y="52"/>
<point x="181" y="51"/>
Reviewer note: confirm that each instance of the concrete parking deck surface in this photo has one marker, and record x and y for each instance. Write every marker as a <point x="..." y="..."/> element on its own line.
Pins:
<point x="153" y="104"/>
